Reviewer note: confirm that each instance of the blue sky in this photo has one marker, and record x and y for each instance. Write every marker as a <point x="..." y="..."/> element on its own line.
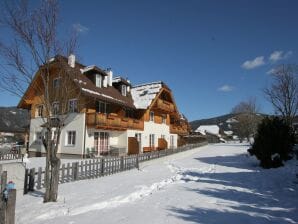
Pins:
<point x="212" y="54"/>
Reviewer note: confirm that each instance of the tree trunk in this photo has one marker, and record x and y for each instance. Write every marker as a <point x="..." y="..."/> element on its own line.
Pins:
<point x="51" y="193"/>
<point x="51" y="172"/>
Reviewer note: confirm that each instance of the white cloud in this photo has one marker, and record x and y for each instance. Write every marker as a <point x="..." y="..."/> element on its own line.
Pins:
<point x="80" y="28"/>
<point x="271" y="71"/>
<point x="225" y="88"/>
<point x="279" y="55"/>
<point x="258" y="61"/>
<point x="276" y="56"/>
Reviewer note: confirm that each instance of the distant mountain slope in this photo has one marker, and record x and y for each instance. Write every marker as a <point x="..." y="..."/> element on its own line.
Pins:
<point x="211" y="121"/>
<point x="225" y="122"/>
<point x="13" y="119"/>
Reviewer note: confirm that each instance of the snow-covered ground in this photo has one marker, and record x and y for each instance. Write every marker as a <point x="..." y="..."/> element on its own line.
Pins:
<point x="212" y="184"/>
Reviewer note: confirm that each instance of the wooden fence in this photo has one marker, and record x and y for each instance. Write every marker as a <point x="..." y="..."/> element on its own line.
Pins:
<point x="10" y="154"/>
<point x="95" y="168"/>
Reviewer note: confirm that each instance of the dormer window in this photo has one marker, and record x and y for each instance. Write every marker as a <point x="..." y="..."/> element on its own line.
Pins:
<point x="123" y="90"/>
<point x="98" y="80"/>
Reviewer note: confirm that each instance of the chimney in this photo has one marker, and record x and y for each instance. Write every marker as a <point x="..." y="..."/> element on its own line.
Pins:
<point x="72" y="60"/>
<point x="105" y="81"/>
<point x="110" y="76"/>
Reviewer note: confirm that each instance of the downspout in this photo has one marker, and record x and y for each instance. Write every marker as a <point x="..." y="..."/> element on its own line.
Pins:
<point x="84" y="147"/>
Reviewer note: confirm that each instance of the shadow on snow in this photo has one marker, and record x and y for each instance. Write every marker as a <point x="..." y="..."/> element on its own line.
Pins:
<point x="252" y="196"/>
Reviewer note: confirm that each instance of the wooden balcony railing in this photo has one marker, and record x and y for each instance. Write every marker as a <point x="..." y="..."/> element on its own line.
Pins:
<point x="165" y="105"/>
<point x="180" y="130"/>
<point x="112" y="122"/>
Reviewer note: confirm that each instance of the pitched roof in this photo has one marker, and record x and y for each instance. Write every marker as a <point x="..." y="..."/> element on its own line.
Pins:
<point x="144" y="94"/>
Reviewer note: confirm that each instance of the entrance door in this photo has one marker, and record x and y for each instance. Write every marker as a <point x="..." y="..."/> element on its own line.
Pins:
<point x="172" y="141"/>
<point x="101" y="143"/>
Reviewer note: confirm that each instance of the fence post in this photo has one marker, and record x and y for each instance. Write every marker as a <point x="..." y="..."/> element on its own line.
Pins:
<point x="121" y="163"/>
<point x="26" y="181"/>
<point x="11" y="206"/>
<point x="102" y="168"/>
<point x="75" y="169"/>
<point x="31" y="179"/>
<point x="137" y="162"/>
<point x="2" y="202"/>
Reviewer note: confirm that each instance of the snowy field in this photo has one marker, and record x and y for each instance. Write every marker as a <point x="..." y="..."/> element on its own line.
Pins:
<point x="212" y="184"/>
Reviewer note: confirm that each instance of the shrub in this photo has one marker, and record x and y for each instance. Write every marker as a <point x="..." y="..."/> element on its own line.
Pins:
<point x="273" y="143"/>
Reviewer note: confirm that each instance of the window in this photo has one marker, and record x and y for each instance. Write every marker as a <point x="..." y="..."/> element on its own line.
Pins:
<point x="129" y="113"/>
<point x="102" y="107"/>
<point x="73" y="106"/>
<point x="56" y="82"/>
<point x="164" y="119"/>
<point x="98" y="80"/>
<point x="38" y="137"/>
<point x="151" y="116"/>
<point x="151" y="140"/>
<point x="101" y="143"/>
<point x="39" y="111"/>
<point x="55" y="108"/>
<point x="71" y="138"/>
<point x="123" y="90"/>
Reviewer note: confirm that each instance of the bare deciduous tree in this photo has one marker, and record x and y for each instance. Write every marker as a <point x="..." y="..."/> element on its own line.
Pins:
<point x="32" y="42"/>
<point x="283" y="92"/>
<point x="248" y="120"/>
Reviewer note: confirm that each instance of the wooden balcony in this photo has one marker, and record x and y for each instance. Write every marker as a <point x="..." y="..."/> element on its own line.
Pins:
<point x="165" y="106"/>
<point x="177" y="129"/>
<point x="112" y="122"/>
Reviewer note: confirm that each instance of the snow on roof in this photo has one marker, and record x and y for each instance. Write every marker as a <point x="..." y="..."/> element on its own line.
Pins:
<point x="231" y="120"/>
<point x="88" y="68"/>
<point x="80" y="81"/>
<point x="100" y="94"/>
<point x="117" y="79"/>
<point x="143" y="95"/>
<point x="211" y="129"/>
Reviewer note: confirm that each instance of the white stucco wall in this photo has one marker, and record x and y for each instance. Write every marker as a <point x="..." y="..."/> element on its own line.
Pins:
<point x="116" y="138"/>
<point x="74" y="122"/>
<point x="156" y="129"/>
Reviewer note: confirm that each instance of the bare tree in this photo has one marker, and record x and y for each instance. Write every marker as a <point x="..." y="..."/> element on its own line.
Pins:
<point x="283" y="92"/>
<point x="246" y="114"/>
<point x="32" y="43"/>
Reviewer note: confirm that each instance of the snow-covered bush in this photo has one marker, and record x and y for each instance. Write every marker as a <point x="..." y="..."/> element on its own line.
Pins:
<point x="273" y="143"/>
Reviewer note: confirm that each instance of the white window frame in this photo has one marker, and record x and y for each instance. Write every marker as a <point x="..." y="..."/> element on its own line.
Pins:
<point x="39" y="110"/>
<point x="38" y="137"/>
<point x="56" y="82"/>
<point x="98" y="80"/>
<point x="151" y="116"/>
<point x="70" y="138"/>
<point x="164" y="119"/>
<point x="71" y="107"/>
<point x="151" y="140"/>
<point x="123" y="90"/>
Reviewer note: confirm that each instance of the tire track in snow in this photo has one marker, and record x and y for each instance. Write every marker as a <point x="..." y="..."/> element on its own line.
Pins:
<point x="181" y="175"/>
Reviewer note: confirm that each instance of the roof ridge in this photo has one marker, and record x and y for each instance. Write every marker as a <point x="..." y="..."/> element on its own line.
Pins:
<point x="146" y="84"/>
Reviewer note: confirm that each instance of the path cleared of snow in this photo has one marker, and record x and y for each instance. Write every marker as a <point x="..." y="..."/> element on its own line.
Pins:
<point x="212" y="184"/>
